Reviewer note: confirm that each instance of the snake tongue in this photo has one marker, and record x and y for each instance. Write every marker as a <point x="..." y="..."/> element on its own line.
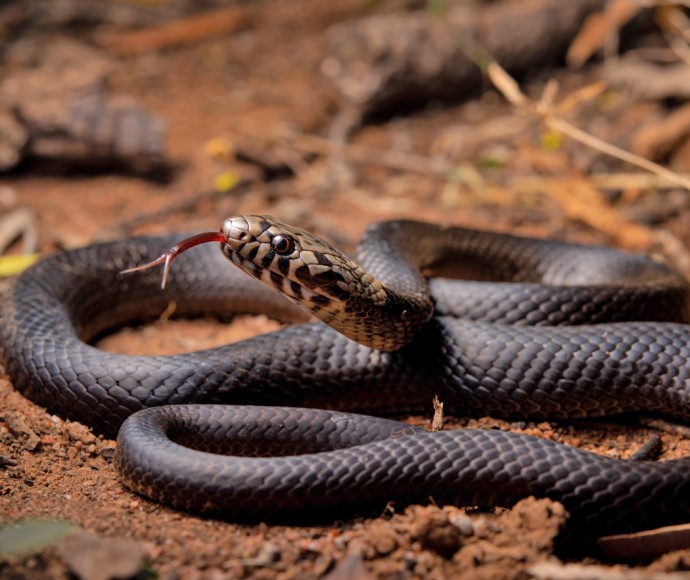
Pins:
<point x="167" y="258"/>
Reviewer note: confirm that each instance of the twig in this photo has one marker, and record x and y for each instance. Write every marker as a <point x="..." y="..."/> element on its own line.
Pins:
<point x="437" y="421"/>
<point x="19" y="222"/>
<point x="550" y="115"/>
<point x="622" y="180"/>
<point x="398" y="160"/>
<point x="674" y="26"/>
<point x="183" y="31"/>
<point x="585" y="138"/>
<point x="646" y="545"/>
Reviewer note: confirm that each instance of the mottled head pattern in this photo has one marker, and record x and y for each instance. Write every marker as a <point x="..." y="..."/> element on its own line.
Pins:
<point x="303" y="267"/>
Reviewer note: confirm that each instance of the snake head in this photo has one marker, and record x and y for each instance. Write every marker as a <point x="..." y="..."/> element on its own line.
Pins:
<point x="290" y="260"/>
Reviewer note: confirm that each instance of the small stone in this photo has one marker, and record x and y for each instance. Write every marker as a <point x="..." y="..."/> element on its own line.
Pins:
<point x="385" y="543"/>
<point x="92" y="556"/>
<point x="439" y="535"/>
<point x="351" y="566"/>
<point x="463" y="523"/>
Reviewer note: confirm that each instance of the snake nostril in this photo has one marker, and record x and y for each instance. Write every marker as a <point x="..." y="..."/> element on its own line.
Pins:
<point x="235" y="234"/>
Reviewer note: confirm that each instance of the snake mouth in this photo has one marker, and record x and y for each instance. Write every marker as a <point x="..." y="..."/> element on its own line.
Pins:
<point x="308" y="297"/>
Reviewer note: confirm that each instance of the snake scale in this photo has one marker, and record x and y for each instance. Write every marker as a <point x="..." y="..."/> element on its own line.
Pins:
<point x="548" y="337"/>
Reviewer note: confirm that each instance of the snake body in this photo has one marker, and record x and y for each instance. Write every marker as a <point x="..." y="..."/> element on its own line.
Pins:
<point x="489" y="348"/>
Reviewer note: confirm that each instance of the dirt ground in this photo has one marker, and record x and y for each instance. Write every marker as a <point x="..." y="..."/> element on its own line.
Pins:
<point x="232" y="94"/>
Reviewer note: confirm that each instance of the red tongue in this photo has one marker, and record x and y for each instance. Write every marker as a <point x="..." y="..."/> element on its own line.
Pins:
<point x="175" y="251"/>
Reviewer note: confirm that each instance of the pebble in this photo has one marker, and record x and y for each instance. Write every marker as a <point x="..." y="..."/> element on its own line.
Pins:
<point x="463" y="523"/>
<point x="438" y="534"/>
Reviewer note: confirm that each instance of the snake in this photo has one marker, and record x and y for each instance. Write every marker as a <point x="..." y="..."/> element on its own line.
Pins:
<point x="270" y="428"/>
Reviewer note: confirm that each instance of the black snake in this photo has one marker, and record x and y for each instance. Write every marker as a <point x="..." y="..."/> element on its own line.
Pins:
<point x="547" y="339"/>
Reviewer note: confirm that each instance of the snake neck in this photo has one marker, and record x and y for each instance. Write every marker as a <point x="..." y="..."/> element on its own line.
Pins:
<point x="391" y="302"/>
<point x="379" y="299"/>
<point x="382" y="311"/>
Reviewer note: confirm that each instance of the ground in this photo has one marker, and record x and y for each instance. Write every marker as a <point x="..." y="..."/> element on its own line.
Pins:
<point x="235" y="93"/>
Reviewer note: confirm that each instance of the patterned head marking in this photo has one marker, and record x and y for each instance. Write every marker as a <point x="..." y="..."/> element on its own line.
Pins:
<point x="292" y="261"/>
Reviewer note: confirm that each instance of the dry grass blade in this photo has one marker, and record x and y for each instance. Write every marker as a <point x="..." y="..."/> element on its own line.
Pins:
<point x="646" y="545"/>
<point x="184" y="31"/>
<point x="581" y="201"/>
<point x="550" y="116"/>
<point x="600" y="30"/>
<point x="437" y="421"/>
<point x="595" y="143"/>
<point x="19" y="223"/>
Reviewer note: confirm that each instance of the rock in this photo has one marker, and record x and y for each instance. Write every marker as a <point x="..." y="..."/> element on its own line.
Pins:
<point x="93" y="557"/>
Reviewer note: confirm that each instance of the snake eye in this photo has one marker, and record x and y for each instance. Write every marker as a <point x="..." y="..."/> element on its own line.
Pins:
<point x="282" y="245"/>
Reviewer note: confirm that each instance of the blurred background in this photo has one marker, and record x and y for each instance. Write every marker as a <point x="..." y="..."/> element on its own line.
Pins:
<point x="132" y="116"/>
<point x="125" y="117"/>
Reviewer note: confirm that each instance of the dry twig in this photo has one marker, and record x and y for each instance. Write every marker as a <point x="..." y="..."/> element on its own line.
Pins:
<point x="184" y="31"/>
<point x="437" y="421"/>
<point x="551" y="116"/>
<point x="19" y="223"/>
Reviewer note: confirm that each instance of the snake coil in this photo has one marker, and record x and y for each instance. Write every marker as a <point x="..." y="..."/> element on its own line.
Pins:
<point x="547" y="339"/>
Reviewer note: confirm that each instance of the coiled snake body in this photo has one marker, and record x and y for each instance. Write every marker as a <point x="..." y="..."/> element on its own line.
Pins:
<point x="513" y="348"/>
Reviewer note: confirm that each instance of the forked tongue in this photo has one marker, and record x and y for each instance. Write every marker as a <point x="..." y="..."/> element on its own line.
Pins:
<point x="167" y="258"/>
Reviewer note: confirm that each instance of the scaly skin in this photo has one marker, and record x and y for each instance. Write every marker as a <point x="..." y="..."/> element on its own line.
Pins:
<point x="476" y="365"/>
